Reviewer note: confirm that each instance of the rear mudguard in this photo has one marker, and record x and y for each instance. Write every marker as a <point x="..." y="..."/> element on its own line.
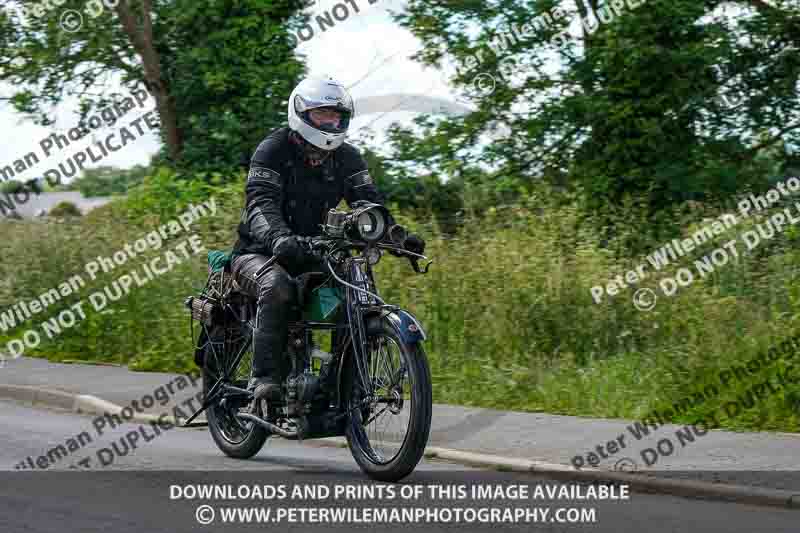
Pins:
<point x="407" y="326"/>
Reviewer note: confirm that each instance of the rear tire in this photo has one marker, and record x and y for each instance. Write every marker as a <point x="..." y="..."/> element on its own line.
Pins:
<point x="237" y="441"/>
<point x="416" y="383"/>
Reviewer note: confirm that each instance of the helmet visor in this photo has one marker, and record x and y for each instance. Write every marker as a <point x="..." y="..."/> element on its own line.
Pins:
<point x="328" y="119"/>
<point x="331" y="98"/>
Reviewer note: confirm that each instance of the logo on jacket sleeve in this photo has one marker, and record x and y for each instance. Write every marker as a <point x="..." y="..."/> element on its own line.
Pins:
<point x="264" y="174"/>
<point x="361" y="178"/>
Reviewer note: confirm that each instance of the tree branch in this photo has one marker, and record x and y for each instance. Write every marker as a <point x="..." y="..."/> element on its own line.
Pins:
<point x="752" y="152"/>
<point x="143" y="44"/>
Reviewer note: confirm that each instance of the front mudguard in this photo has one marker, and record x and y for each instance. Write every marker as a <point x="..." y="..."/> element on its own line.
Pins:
<point x="407" y="326"/>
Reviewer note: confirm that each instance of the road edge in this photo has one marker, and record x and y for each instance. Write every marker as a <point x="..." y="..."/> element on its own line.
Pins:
<point x="87" y="404"/>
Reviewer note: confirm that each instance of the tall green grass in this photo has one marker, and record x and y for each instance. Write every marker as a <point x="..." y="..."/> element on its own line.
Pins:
<point x="507" y="305"/>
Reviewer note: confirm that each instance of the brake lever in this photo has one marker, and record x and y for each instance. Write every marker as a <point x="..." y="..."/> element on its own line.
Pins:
<point x="415" y="265"/>
<point x="412" y="258"/>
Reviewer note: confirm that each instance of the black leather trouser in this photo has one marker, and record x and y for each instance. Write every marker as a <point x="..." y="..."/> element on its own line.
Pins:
<point x="276" y="292"/>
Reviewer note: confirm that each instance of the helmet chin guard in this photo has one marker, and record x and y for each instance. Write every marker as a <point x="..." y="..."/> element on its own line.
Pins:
<point x="315" y="93"/>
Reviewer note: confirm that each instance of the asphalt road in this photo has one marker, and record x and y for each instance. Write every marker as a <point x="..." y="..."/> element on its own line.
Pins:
<point x="137" y="491"/>
<point x="755" y="459"/>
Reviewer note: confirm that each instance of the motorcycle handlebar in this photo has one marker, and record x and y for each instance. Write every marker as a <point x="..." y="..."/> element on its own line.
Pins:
<point x="313" y="242"/>
<point x="319" y="245"/>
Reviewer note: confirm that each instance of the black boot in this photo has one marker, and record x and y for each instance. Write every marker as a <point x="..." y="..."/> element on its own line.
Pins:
<point x="265" y="382"/>
<point x="264" y="388"/>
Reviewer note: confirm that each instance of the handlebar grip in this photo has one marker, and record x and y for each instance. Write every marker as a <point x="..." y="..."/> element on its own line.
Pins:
<point x="311" y="242"/>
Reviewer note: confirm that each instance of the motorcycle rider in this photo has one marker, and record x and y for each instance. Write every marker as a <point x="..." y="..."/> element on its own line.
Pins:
<point x="296" y="175"/>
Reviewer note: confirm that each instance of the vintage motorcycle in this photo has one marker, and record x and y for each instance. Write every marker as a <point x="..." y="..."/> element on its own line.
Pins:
<point x="373" y="383"/>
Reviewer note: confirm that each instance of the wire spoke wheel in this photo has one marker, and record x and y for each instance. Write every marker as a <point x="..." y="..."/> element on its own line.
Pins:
<point x="390" y="407"/>
<point x="237" y="438"/>
<point x="389" y="400"/>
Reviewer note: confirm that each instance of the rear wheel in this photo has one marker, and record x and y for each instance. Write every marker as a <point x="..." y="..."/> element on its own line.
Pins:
<point x="236" y="438"/>
<point x="390" y="414"/>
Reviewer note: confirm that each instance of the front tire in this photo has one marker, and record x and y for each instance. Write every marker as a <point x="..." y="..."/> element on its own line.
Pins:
<point x="396" y="390"/>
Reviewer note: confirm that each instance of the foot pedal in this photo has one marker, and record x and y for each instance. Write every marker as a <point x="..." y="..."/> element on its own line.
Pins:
<point x="195" y="425"/>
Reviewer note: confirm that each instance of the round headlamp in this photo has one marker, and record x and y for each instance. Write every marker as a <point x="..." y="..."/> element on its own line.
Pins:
<point x="370" y="222"/>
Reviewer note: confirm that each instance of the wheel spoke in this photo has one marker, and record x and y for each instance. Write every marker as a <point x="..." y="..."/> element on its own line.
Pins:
<point x="386" y="424"/>
<point x="224" y="415"/>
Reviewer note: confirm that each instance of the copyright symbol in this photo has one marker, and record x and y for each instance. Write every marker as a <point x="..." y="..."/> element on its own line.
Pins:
<point x="626" y="464"/>
<point x="71" y="21"/>
<point x="644" y="299"/>
<point x="483" y="84"/>
<point x="204" y="515"/>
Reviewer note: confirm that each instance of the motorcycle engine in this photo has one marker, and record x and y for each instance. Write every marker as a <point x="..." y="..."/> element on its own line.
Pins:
<point x="307" y="386"/>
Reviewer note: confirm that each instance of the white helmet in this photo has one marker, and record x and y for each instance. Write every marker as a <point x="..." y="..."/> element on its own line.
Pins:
<point x="313" y="93"/>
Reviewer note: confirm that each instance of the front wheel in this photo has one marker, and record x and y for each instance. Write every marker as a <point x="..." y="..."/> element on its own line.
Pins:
<point x="390" y="407"/>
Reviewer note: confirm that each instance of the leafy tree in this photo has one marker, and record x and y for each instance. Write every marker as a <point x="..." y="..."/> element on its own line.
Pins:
<point x="218" y="70"/>
<point x="107" y="181"/>
<point x="668" y="99"/>
<point x="425" y="194"/>
<point x="11" y="187"/>
<point x="35" y="186"/>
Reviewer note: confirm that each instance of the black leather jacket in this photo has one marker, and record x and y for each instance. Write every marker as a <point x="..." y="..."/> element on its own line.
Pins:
<point x="286" y="196"/>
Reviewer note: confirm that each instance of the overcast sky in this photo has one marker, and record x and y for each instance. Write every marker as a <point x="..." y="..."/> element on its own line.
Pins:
<point x="367" y="49"/>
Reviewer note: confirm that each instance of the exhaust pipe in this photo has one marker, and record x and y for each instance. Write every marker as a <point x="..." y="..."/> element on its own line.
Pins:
<point x="272" y="428"/>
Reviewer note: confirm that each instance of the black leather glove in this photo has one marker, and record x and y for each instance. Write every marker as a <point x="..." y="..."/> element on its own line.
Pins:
<point x="290" y="254"/>
<point x="296" y="257"/>
<point x="415" y="244"/>
<point x="315" y="262"/>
